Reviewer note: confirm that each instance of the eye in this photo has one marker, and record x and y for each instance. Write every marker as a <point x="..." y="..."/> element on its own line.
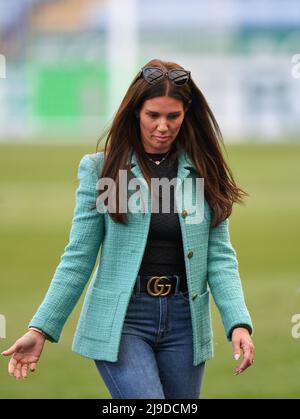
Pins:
<point x="153" y="116"/>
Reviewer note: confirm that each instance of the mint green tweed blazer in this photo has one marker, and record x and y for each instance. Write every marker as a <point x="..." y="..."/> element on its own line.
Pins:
<point x="210" y="259"/>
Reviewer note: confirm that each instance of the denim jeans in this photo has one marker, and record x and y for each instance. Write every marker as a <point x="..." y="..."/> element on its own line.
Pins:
<point x="155" y="359"/>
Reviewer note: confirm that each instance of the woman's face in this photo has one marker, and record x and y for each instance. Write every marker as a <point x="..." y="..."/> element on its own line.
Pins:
<point x="160" y="122"/>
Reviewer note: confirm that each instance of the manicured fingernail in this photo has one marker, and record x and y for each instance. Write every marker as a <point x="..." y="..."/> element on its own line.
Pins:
<point x="236" y="356"/>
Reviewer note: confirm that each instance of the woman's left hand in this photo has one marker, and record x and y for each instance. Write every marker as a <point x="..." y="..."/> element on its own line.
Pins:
<point x="241" y="339"/>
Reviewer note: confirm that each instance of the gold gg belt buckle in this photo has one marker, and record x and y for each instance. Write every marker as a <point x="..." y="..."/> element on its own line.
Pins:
<point x="156" y="289"/>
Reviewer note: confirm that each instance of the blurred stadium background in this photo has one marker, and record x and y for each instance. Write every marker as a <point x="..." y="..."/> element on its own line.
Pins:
<point x="64" y="67"/>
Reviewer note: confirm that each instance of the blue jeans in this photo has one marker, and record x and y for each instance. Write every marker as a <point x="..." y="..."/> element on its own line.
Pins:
<point x="155" y="359"/>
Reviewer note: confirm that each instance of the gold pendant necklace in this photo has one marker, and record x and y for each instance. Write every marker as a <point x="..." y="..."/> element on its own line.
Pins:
<point x="157" y="162"/>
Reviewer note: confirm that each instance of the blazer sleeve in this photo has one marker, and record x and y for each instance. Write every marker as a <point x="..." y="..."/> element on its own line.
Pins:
<point x="78" y="259"/>
<point x="224" y="280"/>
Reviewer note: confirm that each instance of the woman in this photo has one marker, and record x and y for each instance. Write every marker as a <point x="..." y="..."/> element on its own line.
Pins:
<point x="146" y="317"/>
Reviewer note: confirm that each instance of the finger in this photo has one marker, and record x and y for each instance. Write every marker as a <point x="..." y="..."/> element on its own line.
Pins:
<point x="17" y="372"/>
<point x="33" y="366"/>
<point x="24" y="371"/>
<point x="10" y="350"/>
<point x="236" y="350"/>
<point x="11" y="366"/>
<point x="251" y="357"/>
<point x="246" y="361"/>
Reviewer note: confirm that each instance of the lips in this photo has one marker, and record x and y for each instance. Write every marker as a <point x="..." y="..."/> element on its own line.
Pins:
<point x="162" y="138"/>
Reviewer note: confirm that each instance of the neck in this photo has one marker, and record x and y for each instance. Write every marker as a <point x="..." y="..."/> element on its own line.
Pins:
<point x="157" y="152"/>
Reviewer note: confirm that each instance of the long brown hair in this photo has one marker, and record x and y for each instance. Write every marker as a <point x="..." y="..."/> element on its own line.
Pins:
<point x="199" y="136"/>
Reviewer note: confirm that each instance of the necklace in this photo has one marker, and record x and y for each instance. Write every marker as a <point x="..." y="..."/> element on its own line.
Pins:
<point x="157" y="162"/>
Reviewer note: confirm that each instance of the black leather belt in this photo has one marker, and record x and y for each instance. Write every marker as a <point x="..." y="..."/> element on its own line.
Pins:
<point x="160" y="286"/>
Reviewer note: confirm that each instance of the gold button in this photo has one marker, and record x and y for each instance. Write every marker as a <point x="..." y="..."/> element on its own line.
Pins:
<point x="184" y="213"/>
<point x="195" y="295"/>
<point x="190" y="254"/>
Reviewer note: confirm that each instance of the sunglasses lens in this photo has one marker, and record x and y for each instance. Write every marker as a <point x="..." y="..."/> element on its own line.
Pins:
<point x="152" y="75"/>
<point x="179" y="77"/>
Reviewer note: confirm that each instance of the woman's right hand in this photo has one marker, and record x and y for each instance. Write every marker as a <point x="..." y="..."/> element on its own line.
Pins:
<point x="26" y="352"/>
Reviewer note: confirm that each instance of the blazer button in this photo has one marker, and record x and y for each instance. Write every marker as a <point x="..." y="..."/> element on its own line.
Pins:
<point x="190" y="254"/>
<point x="194" y="296"/>
<point x="184" y="213"/>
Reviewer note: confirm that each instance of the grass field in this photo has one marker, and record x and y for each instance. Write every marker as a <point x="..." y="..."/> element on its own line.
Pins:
<point x="36" y="203"/>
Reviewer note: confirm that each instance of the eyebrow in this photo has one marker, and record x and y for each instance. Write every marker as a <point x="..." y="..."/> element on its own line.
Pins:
<point x="170" y="113"/>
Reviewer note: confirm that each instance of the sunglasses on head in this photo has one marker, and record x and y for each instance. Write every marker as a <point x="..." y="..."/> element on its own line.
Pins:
<point x="153" y="75"/>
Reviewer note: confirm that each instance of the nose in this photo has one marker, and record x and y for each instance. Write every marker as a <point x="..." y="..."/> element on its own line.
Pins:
<point x="162" y="125"/>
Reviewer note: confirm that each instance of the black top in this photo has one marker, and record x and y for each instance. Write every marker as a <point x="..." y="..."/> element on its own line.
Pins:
<point x="164" y="249"/>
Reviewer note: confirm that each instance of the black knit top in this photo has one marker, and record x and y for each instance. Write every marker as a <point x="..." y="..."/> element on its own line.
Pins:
<point x="164" y="249"/>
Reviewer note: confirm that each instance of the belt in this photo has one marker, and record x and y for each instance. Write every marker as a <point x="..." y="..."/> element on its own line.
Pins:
<point x="160" y="286"/>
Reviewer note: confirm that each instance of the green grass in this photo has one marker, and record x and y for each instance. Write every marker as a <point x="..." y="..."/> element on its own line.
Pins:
<point x="36" y="202"/>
